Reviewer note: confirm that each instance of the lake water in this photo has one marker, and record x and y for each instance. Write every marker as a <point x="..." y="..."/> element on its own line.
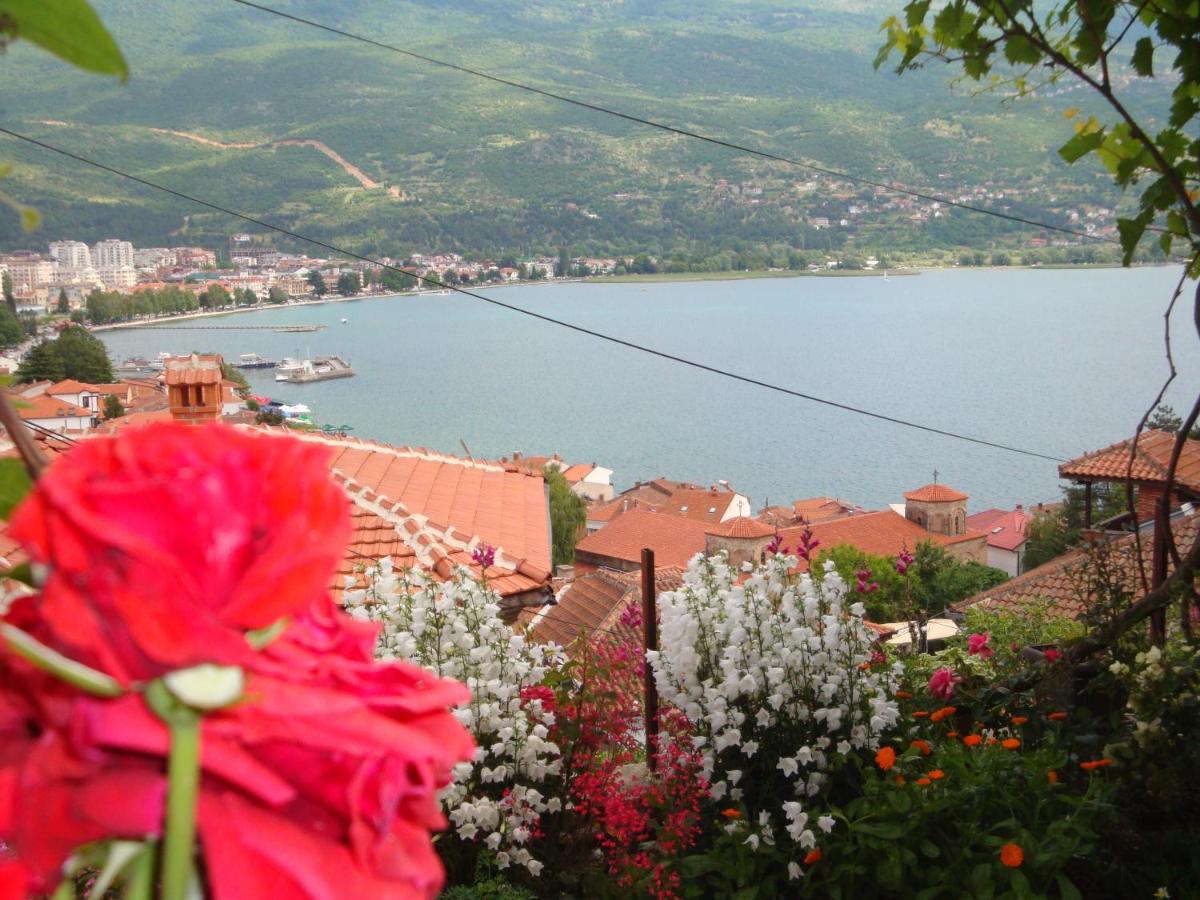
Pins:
<point x="1056" y="361"/>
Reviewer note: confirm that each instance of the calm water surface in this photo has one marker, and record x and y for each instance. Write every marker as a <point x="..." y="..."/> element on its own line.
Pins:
<point x="1057" y="361"/>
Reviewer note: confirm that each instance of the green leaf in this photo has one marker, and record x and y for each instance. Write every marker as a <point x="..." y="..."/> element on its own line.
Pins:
<point x="1131" y="231"/>
<point x="930" y="849"/>
<point x="70" y="29"/>
<point x="14" y="485"/>
<point x="1143" y="57"/>
<point x="22" y="573"/>
<point x="1066" y="889"/>
<point x="1019" y="49"/>
<point x="1081" y="144"/>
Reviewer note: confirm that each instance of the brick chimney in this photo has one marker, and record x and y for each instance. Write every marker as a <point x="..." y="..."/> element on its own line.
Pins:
<point x="194" y="387"/>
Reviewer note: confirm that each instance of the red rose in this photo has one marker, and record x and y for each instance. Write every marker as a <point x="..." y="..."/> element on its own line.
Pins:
<point x="165" y="544"/>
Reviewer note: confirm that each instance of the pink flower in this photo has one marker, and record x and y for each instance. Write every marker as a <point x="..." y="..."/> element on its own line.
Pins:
<point x="942" y="683"/>
<point x="977" y="645"/>
<point x="903" y="561"/>
<point x="776" y="545"/>
<point x="539" y="692"/>
<point x="865" y="585"/>
<point x="808" y="543"/>
<point x="484" y="555"/>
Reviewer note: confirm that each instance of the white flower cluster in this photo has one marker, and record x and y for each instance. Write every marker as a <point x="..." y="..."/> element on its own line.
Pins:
<point x="774" y="672"/>
<point x="454" y="629"/>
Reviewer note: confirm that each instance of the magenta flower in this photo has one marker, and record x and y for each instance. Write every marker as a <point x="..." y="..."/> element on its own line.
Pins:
<point x="484" y="555"/>
<point x="977" y="645"/>
<point x="903" y="561"/>
<point x="943" y="682"/>
<point x="808" y="543"/>
<point x="1052" y="656"/>
<point x="865" y="585"/>
<point x="776" y="545"/>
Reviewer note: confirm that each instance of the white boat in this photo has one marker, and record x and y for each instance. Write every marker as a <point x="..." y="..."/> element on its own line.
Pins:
<point x="344" y="320"/>
<point x="254" y="361"/>
<point x="322" y="368"/>
<point x="286" y="366"/>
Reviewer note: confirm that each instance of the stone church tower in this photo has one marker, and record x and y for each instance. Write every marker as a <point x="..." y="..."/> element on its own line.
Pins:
<point x="938" y="509"/>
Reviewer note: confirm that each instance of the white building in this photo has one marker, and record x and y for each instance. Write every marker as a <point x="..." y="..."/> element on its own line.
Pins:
<point x="112" y="253"/>
<point x="52" y="414"/>
<point x="117" y="278"/>
<point x="71" y="254"/>
<point x="29" y="272"/>
<point x="153" y="257"/>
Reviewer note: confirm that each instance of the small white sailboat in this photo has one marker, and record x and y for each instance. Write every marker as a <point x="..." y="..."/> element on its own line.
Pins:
<point x="344" y="320"/>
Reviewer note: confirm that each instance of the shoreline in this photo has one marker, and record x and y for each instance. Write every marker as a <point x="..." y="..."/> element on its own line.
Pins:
<point x="664" y="278"/>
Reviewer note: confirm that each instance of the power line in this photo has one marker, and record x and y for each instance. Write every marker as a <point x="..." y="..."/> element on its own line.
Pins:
<point x="671" y="129"/>
<point x="631" y="345"/>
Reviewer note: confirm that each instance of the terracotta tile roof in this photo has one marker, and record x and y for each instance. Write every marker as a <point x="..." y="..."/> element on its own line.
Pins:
<point x="935" y="493"/>
<point x="576" y="473"/>
<point x="44" y="406"/>
<point x="742" y="527"/>
<point x="654" y="492"/>
<point x="674" y="539"/>
<point x="592" y="606"/>
<point x="606" y="512"/>
<point x="194" y="369"/>
<point x="1005" y="529"/>
<point x="1149" y="463"/>
<point x="700" y="504"/>
<point x="883" y="533"/>
<point x="71" y="386"/>
<point x="822" y="509"/>
<point x="434" y="509"/>
<point x="1066" y="583"/>
<point x="134" y="420"/>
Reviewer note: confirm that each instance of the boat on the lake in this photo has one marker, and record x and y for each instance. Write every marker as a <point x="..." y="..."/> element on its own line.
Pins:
<point x="323" y="368"/>
<point x="286" y="366"/>
<point x="254" y="361"/>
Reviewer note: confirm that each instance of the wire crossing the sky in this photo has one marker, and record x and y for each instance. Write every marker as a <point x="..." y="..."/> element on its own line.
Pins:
<point x="600" y="335"/>
<point x="671" y="129"/>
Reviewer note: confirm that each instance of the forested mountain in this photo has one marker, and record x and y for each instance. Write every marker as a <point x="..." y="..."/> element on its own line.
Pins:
<point x="388" y="154"/>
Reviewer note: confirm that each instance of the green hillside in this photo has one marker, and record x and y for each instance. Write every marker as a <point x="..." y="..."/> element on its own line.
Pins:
<point x="460" y="163"/>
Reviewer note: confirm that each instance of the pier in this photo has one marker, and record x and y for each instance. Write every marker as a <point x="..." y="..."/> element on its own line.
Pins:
<point x="286" y="328"/>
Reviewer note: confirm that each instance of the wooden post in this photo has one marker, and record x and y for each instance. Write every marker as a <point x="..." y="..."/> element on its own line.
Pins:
<point x="649" y="642"/>
<point x="1087" y="504"/>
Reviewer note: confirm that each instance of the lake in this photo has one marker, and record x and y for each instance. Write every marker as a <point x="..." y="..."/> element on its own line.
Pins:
<point x="1055" y="361"/>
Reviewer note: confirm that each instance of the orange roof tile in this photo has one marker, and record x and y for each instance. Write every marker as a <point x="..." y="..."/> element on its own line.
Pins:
<point x="465" y="501"/>
<point x="705" y="505"/>
<point x="194" y="369"/>
<point x="1068" y="583"/>
<point x="674" y="539"/>
<point x="742" y="527"/>
<point x="576" y="473"/>
<point x="44" y="406"/>
<point x="935" y="493"/>
<point x="1005" y="529"/>
<point x="882" y="533"/>
<point x="134" y="420"/>
<point x="70" y="386"/>
<point x="1149" y="463"/>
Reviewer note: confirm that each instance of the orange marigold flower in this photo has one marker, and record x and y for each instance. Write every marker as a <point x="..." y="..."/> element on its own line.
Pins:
<point x="1010" y="743"/>
<point x="920" y="714"/>
<point x="921" y="745"/>
<point x="1057" y="716"/>
<point x="942" y="713"/>
<point x="899" y="779"/>
<point x="1012" y="855"/>
<point x="885" y="758"/>
<point x="731" y="813"/>
<point x="991" y="741"/>
<point x="972" y="740"/>
<point x="1020" y="720"/>
<point x="951" y="734"/>
<point x="1052" y="777"/>
<point x="864" y="665"/>
<point x="812" y="857"/>
<point x="1095" y="764"/>
<point x="937" y="774"/>
<point x="903" y="695"/>
<point x="924" y="781"/>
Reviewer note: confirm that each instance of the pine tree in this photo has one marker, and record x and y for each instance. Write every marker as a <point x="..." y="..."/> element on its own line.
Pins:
<point x="64" y="305"/>
<point x="41" y="363"/>
<point x="83" y="356"/>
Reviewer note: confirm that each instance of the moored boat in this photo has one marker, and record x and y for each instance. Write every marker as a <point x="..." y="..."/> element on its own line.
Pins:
<point x="323" y="368"/>
<point x="254" y="361"/>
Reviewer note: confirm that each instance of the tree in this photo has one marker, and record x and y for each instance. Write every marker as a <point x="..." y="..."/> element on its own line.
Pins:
<point x="563" y="268"/>
<point x="349" y="284"/>
<point x="1165" y="419"/>
<point x="64" y="305"/>
<point x="214" y="296"/>
<point x="113" y="409"/>
<point x="318" y="283"/>
<point x="268" y="416"/>
<point x="277" y="295"/>
<point x="11" y="332"/>
<point x="41" y="363"/>
<point x="84" y="357"/>
<point x="232" y="373"/>
<point x="393" y="280"/>
<point x="10" y="299"/>
<point x="568" y="515"/>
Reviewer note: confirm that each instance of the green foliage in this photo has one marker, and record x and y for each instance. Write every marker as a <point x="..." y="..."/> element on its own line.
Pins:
<point x="11" y="331"/>
<point x="487" y="887"/>
<point x="63" y="306"/>
<point x="84" y="356"/>
<point x="935" y="581"/>
<point x="10" y="299"/>
<point x="104" y="308"/>
<point x="268" y="417"/>
<point x="277" y="295"/>
<point x="1164" y="418"/>
<point x="1021" y="46"/>
<point x="214" y="296"/>
<point x="317" y="280"/>
<point x="1035" y="624"/>
<point x="568" y="515"/>
<point x="14" y="485"/>
<point x="943" y="837"/>
<point x="1052" y="534"/>
<point x="113" y="408"/>
<point x="232" y="373"/>
<point x="349" y="283"/>
<point x="41" y="363"/>
<point x="70" y="29"/>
